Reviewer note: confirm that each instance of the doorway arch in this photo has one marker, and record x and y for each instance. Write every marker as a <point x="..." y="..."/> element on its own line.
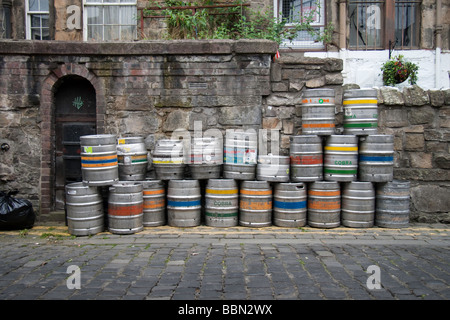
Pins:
<point x="75" y="116"/>
<point x="63" y="76"/>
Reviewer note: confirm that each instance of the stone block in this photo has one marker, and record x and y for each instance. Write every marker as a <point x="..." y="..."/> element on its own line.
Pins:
<point x="271" y="123"/>
<point x="436" y="97"/>
<point x="446" y="94"/>
<point x="420" y="160"/>
<point x="269" y="111"/>
<point x="442" y="160"/>
<point x="334" y="78"/>
<point x="333" y="65"/>
<point x="415" y="96"/>
<point x="414" y="142"/>
<point x="390" y="96"/>
<point x="284" y="98"/>
<point x="431" y="198"/>
<point x="245" y="115"/>
<point x="279" y="86"/>
<point x="316" y="82"/>
<point x="393" y="118"/>
<point x="176" y="119"/>
<point x="422" y="115"/>
<point x="275" y="72"/>
<point x="288" y="126"/>
<point x="139" y="102"/>
<point x="296" y="85"/>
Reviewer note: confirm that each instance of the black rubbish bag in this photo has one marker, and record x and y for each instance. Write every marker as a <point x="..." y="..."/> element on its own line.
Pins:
<point x="15" y="213"/>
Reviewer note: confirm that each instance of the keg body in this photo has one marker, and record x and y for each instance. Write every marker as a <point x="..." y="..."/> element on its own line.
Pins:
<point x="221" y="203"/>
<point x="183" y="203"/>
<point x="289" y="205"/>
<point x="358" y="204"/>
<point x="318" y="112"/>
<point x="125" y="208"/>
<point x="306" y="158"/>
<point x="168" y="159"/>
<point x="84" y="207"/>
<point x="376" y="158"/>
<point x="154" y="196"/>
<point x="206" y="157"/>
<point x="132" y="158"/>
<point x="392" y="204"/>
<point x="360" y="111"/>
<point x="273" y="168"/>
<point x="240" y="155"/>
<point x="255" y="204"/>
<point x="341" y="158"/>
<point x="324" y="204"/>
<point x="99" y="165"/>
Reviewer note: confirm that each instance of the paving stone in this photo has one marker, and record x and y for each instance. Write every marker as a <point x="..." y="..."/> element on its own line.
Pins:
<point x="212" y="264"/>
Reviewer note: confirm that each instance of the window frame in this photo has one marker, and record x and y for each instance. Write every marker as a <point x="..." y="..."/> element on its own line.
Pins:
<point x="302" y="45"/>
<point x="28" y="26"/>
<point x="103" y="4"/>
<point x="388" y="25"/>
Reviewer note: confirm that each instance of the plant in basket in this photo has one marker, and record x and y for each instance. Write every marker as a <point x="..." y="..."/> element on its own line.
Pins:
<point x="397" y="70"/>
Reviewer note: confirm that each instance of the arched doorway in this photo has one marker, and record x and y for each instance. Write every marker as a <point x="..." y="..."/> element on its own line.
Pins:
<point x="75" y="115"/>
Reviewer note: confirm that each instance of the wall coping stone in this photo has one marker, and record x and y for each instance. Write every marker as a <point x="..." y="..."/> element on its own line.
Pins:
<point x="168" y="47"/>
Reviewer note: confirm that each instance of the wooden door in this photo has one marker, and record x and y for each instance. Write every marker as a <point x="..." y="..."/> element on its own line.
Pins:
<point x="75" y="115"/>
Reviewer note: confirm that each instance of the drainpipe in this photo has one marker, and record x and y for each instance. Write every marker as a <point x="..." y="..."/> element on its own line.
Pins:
<point x="438" y="43"/>
<point x="343" y="35"/>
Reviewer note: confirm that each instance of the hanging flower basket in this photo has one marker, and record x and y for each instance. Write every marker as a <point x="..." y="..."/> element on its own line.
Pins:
<point x="397" y="70"/>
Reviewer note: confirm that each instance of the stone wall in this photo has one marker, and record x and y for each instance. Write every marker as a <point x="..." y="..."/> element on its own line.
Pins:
<point x="420" y="123"/>
<point x="153" y="88"/>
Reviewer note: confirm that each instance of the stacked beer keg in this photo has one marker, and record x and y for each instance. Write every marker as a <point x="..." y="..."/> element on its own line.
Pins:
<point x="357" y="187"/>
<point x="327" y="180"/>
<point x="113" y="182"/>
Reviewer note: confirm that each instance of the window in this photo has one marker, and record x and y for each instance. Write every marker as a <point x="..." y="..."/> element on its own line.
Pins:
<point x="112" y="20"/>
<point x="37" y="27"/>
<point x="378" y="24"/>
<point x="294" y="10"/>
<point x="407" y="17"/>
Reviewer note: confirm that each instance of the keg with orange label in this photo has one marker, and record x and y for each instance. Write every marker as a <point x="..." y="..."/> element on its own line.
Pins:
<point x="324" y="204"/>
<point x="318" y="111"/>
<point x="255" y="205"/>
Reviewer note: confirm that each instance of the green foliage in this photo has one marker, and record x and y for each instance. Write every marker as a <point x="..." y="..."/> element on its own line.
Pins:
<point x="234" y="23"/>
<point x="397" y="70"/>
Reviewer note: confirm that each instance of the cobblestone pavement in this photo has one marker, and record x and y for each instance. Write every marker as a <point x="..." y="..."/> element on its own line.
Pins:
<point x="236" y="263"/>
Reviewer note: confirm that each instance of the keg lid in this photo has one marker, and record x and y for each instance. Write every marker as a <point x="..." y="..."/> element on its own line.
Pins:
<point x="323" y="92"/>
<point x="184" y="183"/>
<point x="98" y="139"/>
<point x="255" y="184"/>
<point x="126" y="187"/>
<point x="360" y="93"/>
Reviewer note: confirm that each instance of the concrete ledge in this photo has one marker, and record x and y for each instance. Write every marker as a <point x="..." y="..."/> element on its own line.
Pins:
<point x="28" y="47"/>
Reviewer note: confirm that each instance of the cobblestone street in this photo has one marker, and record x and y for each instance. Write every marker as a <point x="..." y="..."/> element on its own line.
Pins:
<point x="205" y="263"/>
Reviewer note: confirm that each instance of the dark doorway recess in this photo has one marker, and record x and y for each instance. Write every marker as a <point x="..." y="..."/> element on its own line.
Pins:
<point x="75" y="115"/>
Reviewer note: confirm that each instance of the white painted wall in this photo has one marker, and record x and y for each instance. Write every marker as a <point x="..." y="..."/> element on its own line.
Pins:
<point x="364" y="67"/>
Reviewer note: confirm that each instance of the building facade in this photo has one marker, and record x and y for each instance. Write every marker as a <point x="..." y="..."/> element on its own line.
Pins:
<point x="365" y="33"/>
<point x="95" y="76"/>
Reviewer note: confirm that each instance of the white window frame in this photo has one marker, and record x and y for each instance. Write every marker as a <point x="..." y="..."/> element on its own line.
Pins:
<point x="104" y="4"/>
<point x="302" y="44"/>
<point x="29" y="13"/>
